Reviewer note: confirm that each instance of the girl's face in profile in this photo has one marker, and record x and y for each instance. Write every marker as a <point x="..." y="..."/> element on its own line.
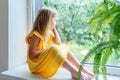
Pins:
<point x="52" y="23"/>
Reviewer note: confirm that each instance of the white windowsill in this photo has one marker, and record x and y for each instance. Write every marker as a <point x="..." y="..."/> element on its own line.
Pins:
<point x="23" y="72"/>
<point x="61" y="74"/>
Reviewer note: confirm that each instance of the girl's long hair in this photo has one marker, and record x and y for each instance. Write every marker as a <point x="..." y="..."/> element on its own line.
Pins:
<point x="41" y="22"/>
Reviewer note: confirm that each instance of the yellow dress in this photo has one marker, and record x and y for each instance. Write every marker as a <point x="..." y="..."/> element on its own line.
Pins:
<point x="48" y="61"/>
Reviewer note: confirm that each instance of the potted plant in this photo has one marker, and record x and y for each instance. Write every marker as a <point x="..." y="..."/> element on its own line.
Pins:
<point x="106" y="21"/>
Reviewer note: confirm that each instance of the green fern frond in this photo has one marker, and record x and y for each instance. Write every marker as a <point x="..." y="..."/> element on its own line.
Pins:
<point x="97" y="49"/>
<point x="105" y="55"/>
<point x="103" y="16"/>
<point x="107" y="13"/>
<point x="79" y="72"/>
<point x="104" y="72"/>
<point x="97" y="62"/>
<point x="102" y="51"/>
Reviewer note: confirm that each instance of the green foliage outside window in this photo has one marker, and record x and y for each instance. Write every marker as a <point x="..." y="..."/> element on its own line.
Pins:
<point x="106" y="21"/>
<point x="72" y="23"/>
<point x="93" y="25"/>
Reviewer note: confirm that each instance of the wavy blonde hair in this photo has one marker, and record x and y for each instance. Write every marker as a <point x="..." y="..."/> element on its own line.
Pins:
<point x="42" y="19"/>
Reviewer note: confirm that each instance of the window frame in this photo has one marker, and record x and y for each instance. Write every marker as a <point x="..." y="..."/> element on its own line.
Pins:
<point x="32" y="9"/>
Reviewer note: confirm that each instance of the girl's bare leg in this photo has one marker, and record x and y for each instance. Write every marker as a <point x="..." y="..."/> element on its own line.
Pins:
<point x="77" y="64"/>
<point x="73" y="60"/>
<point x="71" y="68"/>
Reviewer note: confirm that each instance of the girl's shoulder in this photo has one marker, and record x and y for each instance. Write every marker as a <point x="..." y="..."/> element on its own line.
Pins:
<point x="34" y="33"/>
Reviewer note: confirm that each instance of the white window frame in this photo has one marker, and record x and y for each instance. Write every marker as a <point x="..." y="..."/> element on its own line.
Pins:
<point x="31" y="11"/>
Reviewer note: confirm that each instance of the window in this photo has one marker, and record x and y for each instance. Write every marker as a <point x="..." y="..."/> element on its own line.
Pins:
<point x="33" y="6"/>
<point x="73" y="25"/>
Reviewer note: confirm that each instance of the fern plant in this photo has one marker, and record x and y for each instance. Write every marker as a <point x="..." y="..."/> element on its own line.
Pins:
<point x="106" y="20"/>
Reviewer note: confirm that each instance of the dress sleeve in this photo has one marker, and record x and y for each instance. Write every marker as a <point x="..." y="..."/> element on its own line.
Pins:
<point x="31" y="34"/>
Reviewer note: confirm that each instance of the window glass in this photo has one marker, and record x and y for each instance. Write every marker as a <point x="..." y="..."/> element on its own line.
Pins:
<point x="72" y="24"/>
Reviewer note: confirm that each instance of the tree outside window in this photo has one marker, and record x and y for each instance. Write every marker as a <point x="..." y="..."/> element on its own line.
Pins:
<point x="73" y="26"/>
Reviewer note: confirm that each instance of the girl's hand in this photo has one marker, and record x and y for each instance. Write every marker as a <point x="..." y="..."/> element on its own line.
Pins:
<point x="52" y="23"/>
<point x="52" y="28"/>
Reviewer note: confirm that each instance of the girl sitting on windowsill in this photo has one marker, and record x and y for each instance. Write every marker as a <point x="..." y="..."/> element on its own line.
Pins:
<point x="45" y="58"/>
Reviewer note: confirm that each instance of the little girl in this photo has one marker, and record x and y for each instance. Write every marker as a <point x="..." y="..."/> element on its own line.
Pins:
<point x="45" y="58"/>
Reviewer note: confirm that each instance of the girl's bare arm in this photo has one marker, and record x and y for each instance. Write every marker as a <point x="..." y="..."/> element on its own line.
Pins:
<point x="33" y="52"/>
<point x="57" y="38"/>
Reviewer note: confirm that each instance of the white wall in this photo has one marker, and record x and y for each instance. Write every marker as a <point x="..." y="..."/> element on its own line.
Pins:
<point x="13" y="22"/>
<point x="17" y="32"/>
<point x="3" y="35"/>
